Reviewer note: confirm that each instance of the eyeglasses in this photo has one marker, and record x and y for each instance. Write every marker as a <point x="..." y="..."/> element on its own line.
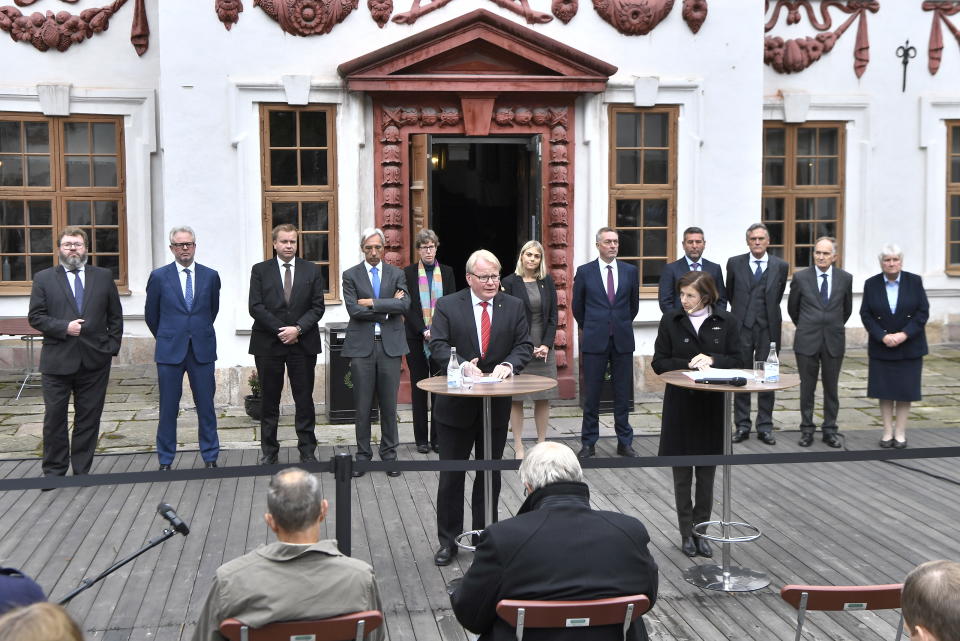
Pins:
<point x="486" y="278"/>
<point x="428" y="248"/>
<point x="181" y="245"/>
<point x="71" y="245"/>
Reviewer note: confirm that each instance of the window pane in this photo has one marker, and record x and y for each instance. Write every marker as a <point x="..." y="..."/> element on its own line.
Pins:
<point x="105" y="171"/>
<point x="283" y="167"/>
<point x="955" y="168"/>
<point x="773" y="173"/>
<point x="954" y="230"/>
<point x="313" y="129"/>
<point x="314" y="216"/>
<point x="826" y="229"/>
<point x="776" y="233"/>
<point x="628" y="167"/>
<point x="283" y="129"/>
<point x="955" y="207"/>
<point x="11" y="171"/>
<point x="11" y="241"/>
<point x="10" y="137"/>
<point x="106" y="212"/>
<point x="955" y="145"/>
<point x="828" y="142"/>
<point x="106" y="240"/>
<point x="806" y="141"/>
<point x="655" y="242"/>
<point x="828" y="171"/>
<point x="805" y="169"/>
<point x="955" y="254"/>
<point x="655" y="132"/>
<point x="629" y="242"/>
<point x="38" y="171"/>
<point x="110" y="262"/>
<point x="826" y="208"/>
<point x="774" y="142"/>
<point x="805" y="209"/>
<point x="803" y="257"/>
<point x="655" y="167"/>
<point x="628" y="130"/>
<point x="654" y="213"/>
<point x="41" y="240"/>
<point x="11" y="212"/>
<point x="14" y="268"/>
<point x="78" y="213"/>
<point x="315" y="247"/>
<point x="313" y="167"/>
<point x="325" y="274"/>
<point x="651" y="272"/>
<point x="76" y="134"/>
<point x="773" y="209"/>
<point x="40" y="212"/>
<point x="285" y="214"/>
<point x="40" y="262"/>
<point x="804" y="234"/>
<point x="104" y="138"/>
<point x="78" y="171"/>
<point x="628" y="214"/>
<point x="38" y="137"/>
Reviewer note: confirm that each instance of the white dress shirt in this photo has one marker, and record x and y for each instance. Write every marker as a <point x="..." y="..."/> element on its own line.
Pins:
<point x="763" y="263"/>
<point x="829" y="274"/>
<point x="368" y="266"/>
<point x="82" y="275"/>
<point x="181" y="271"/>
<point x="603" y="274"/>
<point x="283" y="270"/>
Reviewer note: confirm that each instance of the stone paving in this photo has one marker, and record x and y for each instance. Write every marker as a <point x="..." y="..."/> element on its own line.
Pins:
<point x="130" y="414"/>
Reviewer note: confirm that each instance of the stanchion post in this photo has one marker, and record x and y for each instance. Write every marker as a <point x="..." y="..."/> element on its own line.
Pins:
<point x="343" y="473"/>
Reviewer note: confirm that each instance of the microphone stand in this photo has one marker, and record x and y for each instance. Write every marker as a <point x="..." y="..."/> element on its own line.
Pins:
<point x="86" y="583"/>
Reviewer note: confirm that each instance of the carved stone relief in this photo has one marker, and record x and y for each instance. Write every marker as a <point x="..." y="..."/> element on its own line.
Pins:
<point x="60" y="31"/>
<point x="941" y="12"/>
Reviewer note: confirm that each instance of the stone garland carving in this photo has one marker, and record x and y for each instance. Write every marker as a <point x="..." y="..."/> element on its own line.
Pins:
<point x="941" y="12"/>
<point x="27" y="3"/>
<point x="694" y="14"/>
<point x="564" y="10"/>
<point x="307" y="17"/>
<point x="228" y="12"/>
<point x="61" y="30"/>
<point x="640" y="17"/>
<point x="796" y="54"/>
<point x="380" y="11"/>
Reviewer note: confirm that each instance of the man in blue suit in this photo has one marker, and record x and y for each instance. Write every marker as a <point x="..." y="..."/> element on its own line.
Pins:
<point x="183" y="299"/>
<point x="693" y="260"/>
<point x="606" y="298"/>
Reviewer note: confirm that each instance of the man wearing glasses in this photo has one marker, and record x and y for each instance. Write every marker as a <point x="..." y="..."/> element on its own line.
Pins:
<point x="77" y="308"/>
<point x="489" y="330"/>
<point x="183" y="299"/>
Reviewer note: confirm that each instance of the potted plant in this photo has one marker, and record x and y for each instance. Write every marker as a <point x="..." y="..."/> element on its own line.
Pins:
<point x="251" y="402"/>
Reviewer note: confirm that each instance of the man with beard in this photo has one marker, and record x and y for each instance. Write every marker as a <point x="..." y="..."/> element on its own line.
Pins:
<point x="77" y="308"/>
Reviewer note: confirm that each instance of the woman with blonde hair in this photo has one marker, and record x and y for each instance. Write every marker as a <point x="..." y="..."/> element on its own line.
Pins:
<point x="39" y="622"/>
<point x="531" y="283"/>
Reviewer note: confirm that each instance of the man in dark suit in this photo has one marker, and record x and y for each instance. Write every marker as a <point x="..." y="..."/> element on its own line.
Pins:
<point x="693" y="246"/>
<point x="427" y="281"/>
<point x="529" y="557"/>
<point x="77" y="307"/>
<point x="286" y="302"/>
<point x="820" y="302"/>
<point x="489" y="331"/>
<point x="606" y="299"/>
<point x="755" y="285"/>
<point x="375" y="295"/>
<point x="183" y="299"/>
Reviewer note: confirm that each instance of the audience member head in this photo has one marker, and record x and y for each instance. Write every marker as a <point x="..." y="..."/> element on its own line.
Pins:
<point x="891" y="260"/>
<point x="531" y="257"/>
<point x="825" y="252"/>
<point x="372" y="241"/>
<point x="931" y="601"/>
<point x="39" y="622"/>
<point x="697" y="290"/>
<point x="427" y="243"/>
<point x="483" y="274"/>
<point x="693" y="243"/>
<point x="17" y="589"/>
<point x="295" y="507"/>
<point x="72" y="242"/>
<point x="547" y="463"/>
<point x="608" y="244"/>
<point x="758" y="237"/>
<point x="285" y="242"/>
<point x="183" y="244"/>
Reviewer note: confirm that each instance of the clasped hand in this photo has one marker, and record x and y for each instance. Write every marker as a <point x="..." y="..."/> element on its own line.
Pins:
<point x="499" y="372"/>
<point x="700" y="361"/>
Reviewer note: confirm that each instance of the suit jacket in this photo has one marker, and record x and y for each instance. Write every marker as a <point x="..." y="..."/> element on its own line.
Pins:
<point x="556" y="548"/>
<point x="740" y="291"/>
<point x="819" y="324"/>
<point x="594" y="313"/>
<point x="270" y="312"/>
<point x="514" y="286"/>
<point x="386" y="310"/>
<point x="910" y="317"/>
<point x="669" y="301"/>
<point x="172" y="324"/>
<point x="454" y="325"/>
<point x="52" y="307"/>
<point x="414" y="315"/>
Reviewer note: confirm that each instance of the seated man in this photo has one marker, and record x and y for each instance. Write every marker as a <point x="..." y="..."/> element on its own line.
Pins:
<point x="931" y="601"/>
<point x="556" y="548"/>
<point x="298" y="577"/>
<point x="17" y="589"/>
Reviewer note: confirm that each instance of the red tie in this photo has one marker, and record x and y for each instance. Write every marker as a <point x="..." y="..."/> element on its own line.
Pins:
<point x="484" y="329"/>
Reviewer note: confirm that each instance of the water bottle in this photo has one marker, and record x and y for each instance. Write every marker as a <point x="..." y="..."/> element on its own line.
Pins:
<point x="453" y="370"/>
<point x="771" y="368"/>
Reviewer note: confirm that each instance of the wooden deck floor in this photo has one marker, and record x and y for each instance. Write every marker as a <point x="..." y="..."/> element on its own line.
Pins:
<point x="865" y="522"/>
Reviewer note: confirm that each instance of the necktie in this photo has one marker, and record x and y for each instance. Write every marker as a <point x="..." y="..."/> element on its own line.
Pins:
<point x="287" y="283"/>
<point x="484" y="329"/>
<point x="757" y="274"/>
<point x="611" y="294"/>
<point x="376" y="282"/>
<point x="823" y="289"/>
<point x="695" y="267"/>
<point x="188" y="296"/>
<point x="77" y="289"/>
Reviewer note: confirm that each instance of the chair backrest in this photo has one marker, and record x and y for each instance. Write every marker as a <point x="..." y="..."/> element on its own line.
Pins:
<point x="345" y="627"/>
<point x="847" y="598"/>
<point x="622" y="610"/>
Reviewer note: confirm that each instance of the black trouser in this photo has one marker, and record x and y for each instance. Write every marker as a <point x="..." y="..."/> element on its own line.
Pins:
<point x="810" y="367"/>
<point x="300" y="370"/>
<point x="420" y="368"/>
<point x="689" y="513"/>
<point x="89" y="389"/>
<point x="754" y="346"/>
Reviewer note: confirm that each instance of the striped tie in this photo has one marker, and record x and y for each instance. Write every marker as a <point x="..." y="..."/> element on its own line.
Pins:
<point x="484" y="329"/>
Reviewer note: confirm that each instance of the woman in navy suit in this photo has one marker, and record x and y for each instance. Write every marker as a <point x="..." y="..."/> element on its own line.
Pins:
<point x="894" y="312"/>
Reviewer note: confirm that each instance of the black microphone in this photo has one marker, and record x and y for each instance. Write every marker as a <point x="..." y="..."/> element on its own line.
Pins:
<point x="167" y="512"/>
<point x="736" y="381"/>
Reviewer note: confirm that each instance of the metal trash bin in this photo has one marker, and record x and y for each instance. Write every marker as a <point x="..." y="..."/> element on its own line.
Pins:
<point x="340" y="408"/>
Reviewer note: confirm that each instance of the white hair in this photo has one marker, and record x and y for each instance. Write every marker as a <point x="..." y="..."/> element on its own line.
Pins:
<point x="184" y="229"/>
<point x="549" y="462"/>
<point x="890" y="249"/>
<point x="482" y="254"/>
<point x="372" y="231"/>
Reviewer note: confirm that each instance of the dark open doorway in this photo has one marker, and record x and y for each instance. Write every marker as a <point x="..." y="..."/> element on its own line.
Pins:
<point x="484" y="194"/>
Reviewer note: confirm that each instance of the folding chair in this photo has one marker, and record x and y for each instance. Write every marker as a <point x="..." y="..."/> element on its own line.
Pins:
<point x="341" y="628"/>
<point x="846" y="598"/>
<point x="573" y="614"/>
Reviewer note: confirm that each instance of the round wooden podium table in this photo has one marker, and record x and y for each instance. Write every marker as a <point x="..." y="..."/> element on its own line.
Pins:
<point x="725" y="577"/>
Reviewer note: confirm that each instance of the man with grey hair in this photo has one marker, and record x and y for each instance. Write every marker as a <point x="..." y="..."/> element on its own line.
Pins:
<point x="298" y="577"/>
<point x="376" y="298"/>
<point x="931" y="601"/>
<point x="489" y="331"/>
<point x="533" y="556"/>
<point x="183" y="299"/>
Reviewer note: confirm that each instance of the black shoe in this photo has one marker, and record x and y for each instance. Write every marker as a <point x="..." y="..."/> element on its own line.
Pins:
<point x="767" y="437"/>
<point x="587" y="451"/>
<point x="627" y="450"/>
<point x="393" y="473"/>
<point x="435" y="448"/>
<point x="833" y="440"/>
<point x="164" y="467"/>
<point x="423" y="448"/>
<point x="899" y="444"/>
<point x="688" y="547"/>
<point x="308" y="458"/>
<point x="886" y="443"/>
<point x="444" y="556"/>
<point x="209" y="463"/>
<point x="806" y="440"/>
<point x="703" y="547"/>
<point x="268" y="459"/>
<point x="741" y="435"/>
<point x="358" y="473"/>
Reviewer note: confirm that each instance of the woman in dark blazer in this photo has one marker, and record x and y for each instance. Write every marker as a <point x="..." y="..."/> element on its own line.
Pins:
<point x="427" y="280"/>
<point x="695" y="337"/>
<point x="894" y="312"/>
<point x="531" y="283"/>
